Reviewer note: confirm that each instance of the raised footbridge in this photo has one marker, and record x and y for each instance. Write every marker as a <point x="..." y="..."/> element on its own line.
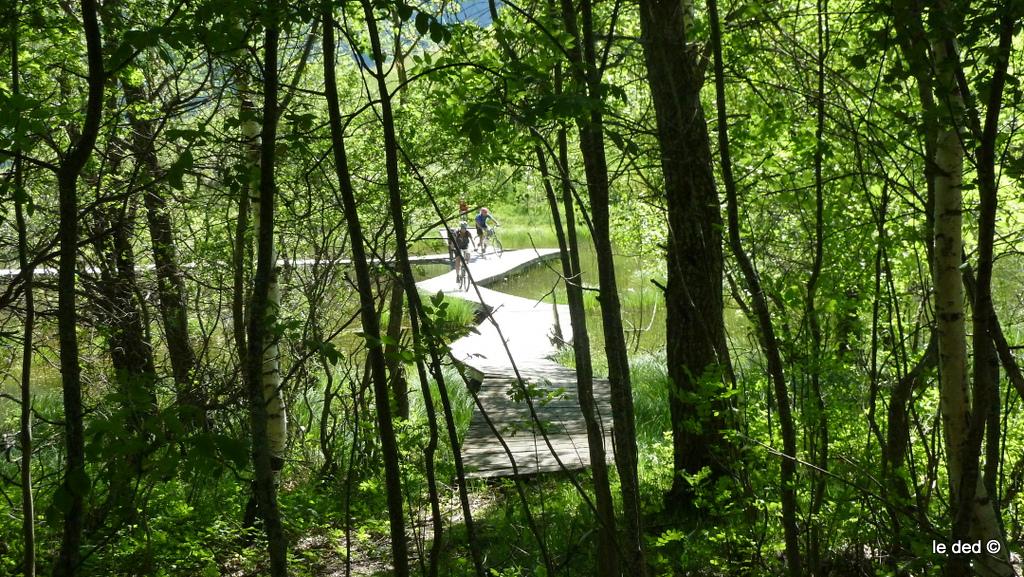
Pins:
<point x="519" y="335"/>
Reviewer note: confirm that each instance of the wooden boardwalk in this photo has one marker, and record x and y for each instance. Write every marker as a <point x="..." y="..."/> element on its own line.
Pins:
<point x="442" y="258"/>
<point x="529" y="331"/>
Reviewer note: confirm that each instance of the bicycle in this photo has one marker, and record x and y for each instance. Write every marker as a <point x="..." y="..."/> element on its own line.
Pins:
<point x="491" y="243"/>
<point x="462" y="277"/>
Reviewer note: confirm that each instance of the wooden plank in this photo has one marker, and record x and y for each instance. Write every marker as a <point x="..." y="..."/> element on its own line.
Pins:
<point x="519" y="337"/>
<point x="442" y="258"/>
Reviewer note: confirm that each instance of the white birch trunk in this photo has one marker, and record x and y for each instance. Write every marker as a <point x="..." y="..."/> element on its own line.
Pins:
<point x="955" y="404"/>
<point x="277" y="417"/>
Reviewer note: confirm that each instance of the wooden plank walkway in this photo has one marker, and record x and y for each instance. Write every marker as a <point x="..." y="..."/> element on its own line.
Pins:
<point x="440" y="258"/>
<point x="528" y="328"/>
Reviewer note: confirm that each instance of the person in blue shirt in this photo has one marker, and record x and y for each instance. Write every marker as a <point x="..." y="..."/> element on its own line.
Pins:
<point x="482" y="229"/>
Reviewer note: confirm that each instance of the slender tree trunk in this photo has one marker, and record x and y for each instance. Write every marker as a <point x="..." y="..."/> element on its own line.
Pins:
<point x="28" y="513"/>
<point x="27" y="500"/>
<point x="973" y="511"/>
<point x="371" y="324"/>
<point x="949" y="311"/>
<point x="697" y="356"/>
<point x="1010" y="366"/>
<point x="75" y="483"/>
<point x="264" y="315"/>
<point x="606" y="545"/>
<point x="127" y="335"/>
<point x="396" y="370"/>
<point x="587" y="75"/>
<point x="976" y="513"/>
<point x="897" y="443"/>
<point x="170" y="280"/>
<point x="131" y="353"/>
<point x="399" y="56"/>
<point x="608" y="552"/>
<point x="759" y="303"/>
<point x="624" y="428"/>
<point x="240" y="250"/>
<point x="75" y="477"/>
<point x="819" y="437"/>
<point x="425" y="338"/>
<point x="987" y="332"/>
<point x="277" y="415"/>
<point x="250" y="209"/>
<point x="131" y="356"/>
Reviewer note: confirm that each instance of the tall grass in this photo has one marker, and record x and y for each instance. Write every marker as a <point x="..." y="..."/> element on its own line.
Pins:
<point x="528" y="225"/>
<point x="458" y="395"/>
<point x="460" y="313"/>
<point x="649" y="375"/>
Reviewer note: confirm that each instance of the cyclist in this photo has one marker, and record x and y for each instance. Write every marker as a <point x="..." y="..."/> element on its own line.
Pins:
<point x="481" y="227"/>
<point x="459" y="245"/>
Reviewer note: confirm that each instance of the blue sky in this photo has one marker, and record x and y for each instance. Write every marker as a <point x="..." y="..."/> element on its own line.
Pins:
<point x="476" y="11"/>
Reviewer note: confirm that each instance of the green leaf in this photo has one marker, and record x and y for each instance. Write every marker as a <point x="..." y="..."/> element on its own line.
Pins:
<point x="422" y="23"/>
<point x="187" y="135"/>
<point x="330" y="352"/>
<point x="436" y="31"/>
<point x="176" y="172"/>
<point x="236" y="450"/>
<point x="404" y="11"/>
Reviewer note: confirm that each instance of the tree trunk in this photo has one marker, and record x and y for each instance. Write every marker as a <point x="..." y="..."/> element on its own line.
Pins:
<point x="819" y="436"/>
<point x="170" y="281"/>
<point x="696" y="352"/>
<point x="276" y="412"/>
<point x="973" y="511"/>
<point x="371" y="323"/>
<point x="1010" y="366"/>
<point x="585" y="71"/>
<point x="75" y="483"/>
<point x="241" y="254"/>
<point x="949" y="312"/>
<point x="267" y="445"/>
<point x="396" y="369"/>
<point x="759" y="303"/>
<point x="28" y="514"/>
<point x="606" y="545"/>
<point x="987" y="332"/>
<point x="427" y="337"/>
<point x="131" y="353"/>
<point x="134" y="378"/>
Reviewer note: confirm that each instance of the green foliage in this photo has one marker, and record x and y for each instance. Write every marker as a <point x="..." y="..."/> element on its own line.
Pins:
<point x="165" y="496"/>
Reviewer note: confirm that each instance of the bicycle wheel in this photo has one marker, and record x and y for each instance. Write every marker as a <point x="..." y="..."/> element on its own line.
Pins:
<point x="495" y="246"/>
<point x="463" y="276"/>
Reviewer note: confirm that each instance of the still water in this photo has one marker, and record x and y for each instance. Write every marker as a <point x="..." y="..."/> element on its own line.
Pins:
<point x="643" y="313"/>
